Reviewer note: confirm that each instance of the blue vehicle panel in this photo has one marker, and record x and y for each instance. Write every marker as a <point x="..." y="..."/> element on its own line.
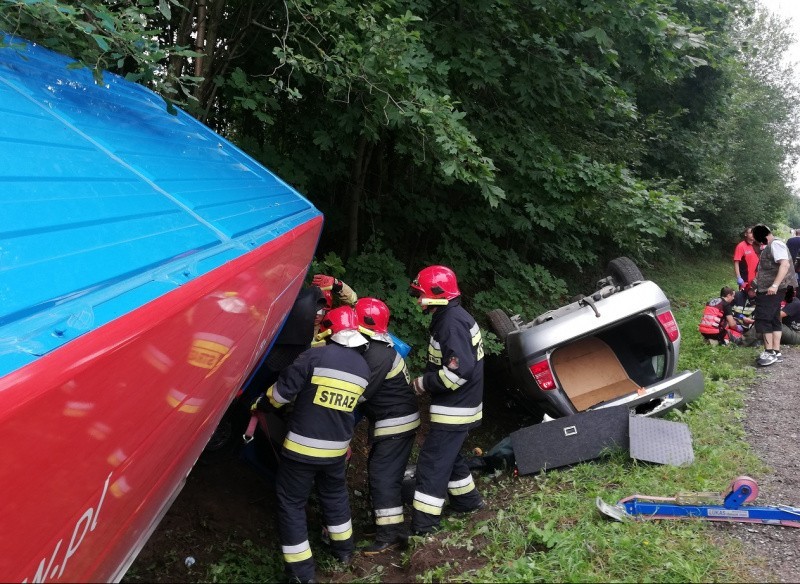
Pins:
<point x="110" y="201"/>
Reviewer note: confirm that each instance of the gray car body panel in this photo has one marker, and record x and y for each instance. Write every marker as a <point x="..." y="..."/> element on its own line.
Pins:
<point x="578" y="320"/>
<point x="602" y="311"/>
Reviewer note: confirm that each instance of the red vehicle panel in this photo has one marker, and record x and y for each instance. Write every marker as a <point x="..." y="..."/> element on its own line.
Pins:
<point x="100" y="435"/>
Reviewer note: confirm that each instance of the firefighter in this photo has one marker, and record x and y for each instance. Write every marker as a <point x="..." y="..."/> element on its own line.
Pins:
<point x="302" y="323"/>
<point x="454" y="379"/>
<point x="296" y="335"/>
<point x="325" y="384"/>
<point x="328" y="285"/>
<point x="391" y="408"/>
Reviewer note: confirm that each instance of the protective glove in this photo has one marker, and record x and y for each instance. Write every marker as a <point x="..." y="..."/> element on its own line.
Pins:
<point x="740" y="280"/>
<point x="417" y="386"/>
<point x="326" y="283"/>
<point x="346" y="294"/>
<point x="261" y="404"/>
<point x="343" y="291"/>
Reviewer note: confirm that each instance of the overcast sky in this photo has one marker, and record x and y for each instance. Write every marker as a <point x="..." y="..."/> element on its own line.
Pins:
<point x="788" y="9"/>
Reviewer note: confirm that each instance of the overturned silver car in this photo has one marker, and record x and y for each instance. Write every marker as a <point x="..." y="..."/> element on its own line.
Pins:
<point x="618" y="345"/>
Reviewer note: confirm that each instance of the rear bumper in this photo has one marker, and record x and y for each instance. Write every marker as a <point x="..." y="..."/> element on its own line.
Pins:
<point x="659" y="398"/>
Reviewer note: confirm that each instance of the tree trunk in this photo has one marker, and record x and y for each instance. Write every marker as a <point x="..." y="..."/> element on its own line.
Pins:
<point x="212" y="19"/>
<point x="200" y="37"/>
<point x="182" y="38"/>
<point x="218" y="59"/>
<point x="358" y="175"/>
<point x="216" y="12"/>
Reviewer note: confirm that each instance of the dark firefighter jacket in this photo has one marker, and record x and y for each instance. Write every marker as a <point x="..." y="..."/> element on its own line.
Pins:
<point x="454" y="372"/>
<point x="325" y="384"/>
<point x="391" y="405"/>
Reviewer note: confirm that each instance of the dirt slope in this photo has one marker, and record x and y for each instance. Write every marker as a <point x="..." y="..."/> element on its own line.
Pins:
<point x="225" y="504"/>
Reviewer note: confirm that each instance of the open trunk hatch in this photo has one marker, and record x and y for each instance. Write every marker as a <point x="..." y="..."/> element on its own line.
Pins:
<point x="590" y="373"/>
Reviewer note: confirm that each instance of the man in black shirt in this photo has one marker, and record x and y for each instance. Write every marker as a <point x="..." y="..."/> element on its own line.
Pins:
<point x="790" y="322"/>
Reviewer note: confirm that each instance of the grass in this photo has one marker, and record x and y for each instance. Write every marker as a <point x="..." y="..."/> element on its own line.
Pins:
<point x="246" y="563"/>
<point x="550" y="529"/>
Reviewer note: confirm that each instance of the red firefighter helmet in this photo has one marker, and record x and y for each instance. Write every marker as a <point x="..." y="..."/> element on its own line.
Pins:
<point x="373" y="316"/>
<point x="341" y="325"/>
<point x="435" y="285"/>
<point x="324" y="304"/>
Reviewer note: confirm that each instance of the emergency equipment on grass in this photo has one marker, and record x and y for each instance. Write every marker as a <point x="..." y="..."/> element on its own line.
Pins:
<point x="729" y="506"/>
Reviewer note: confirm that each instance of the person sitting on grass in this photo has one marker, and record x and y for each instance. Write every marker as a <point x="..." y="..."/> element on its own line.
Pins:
<point x="717" y="325"/>
<point x="743" y="305"/>
<point x="790" y="321"/>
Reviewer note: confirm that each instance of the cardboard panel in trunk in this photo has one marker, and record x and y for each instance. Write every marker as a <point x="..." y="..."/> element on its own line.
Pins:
<point x="590" y="373"/>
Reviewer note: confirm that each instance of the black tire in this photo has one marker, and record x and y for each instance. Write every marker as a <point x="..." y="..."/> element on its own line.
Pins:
<point x="624" y="271"/>
<point x="500" y="323"/>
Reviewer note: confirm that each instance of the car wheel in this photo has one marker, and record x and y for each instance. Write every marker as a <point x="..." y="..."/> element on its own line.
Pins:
<point x="624" y="271"/>
<point x="500" y="323"/>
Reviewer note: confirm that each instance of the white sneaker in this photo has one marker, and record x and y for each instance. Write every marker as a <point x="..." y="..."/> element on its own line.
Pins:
<point x="778" y="356"/>
<point x="766" y="358"/>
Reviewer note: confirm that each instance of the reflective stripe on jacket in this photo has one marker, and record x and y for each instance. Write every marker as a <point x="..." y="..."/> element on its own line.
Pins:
<point x="390" y="403"/>
<point x="743" y="306"/>
<point x="325" y="384"/>
<point x="711" y="322"/>
<point x="454" y="372"/>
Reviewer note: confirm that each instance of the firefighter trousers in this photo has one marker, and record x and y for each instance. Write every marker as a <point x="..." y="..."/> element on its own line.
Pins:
<point x="386" y="466"/>
<point x="442" y="471"/>
<point x="293" y="488"/>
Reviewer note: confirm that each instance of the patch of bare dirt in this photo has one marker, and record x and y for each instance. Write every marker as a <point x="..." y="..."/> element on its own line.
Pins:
<point x="771" y="424"/>
<point x="226" y="502"/>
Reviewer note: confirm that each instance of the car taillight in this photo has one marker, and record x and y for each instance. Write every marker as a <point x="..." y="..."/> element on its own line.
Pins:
<point x="543" y="375"/>
<point x="669" y="325"/>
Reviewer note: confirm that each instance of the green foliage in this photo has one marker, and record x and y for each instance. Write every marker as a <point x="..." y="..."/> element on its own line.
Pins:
<point x="370" y="58"/>
<point x="794" y="213"/>
<point x="247" y="563"/>
<point x="523" y="154"/>
<point x="747" y="147"/>
<point x="532" y="290"/>
<point x="331" y="264"/>
<point x="377" y="273"/>
<point x="114" y="36"/>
